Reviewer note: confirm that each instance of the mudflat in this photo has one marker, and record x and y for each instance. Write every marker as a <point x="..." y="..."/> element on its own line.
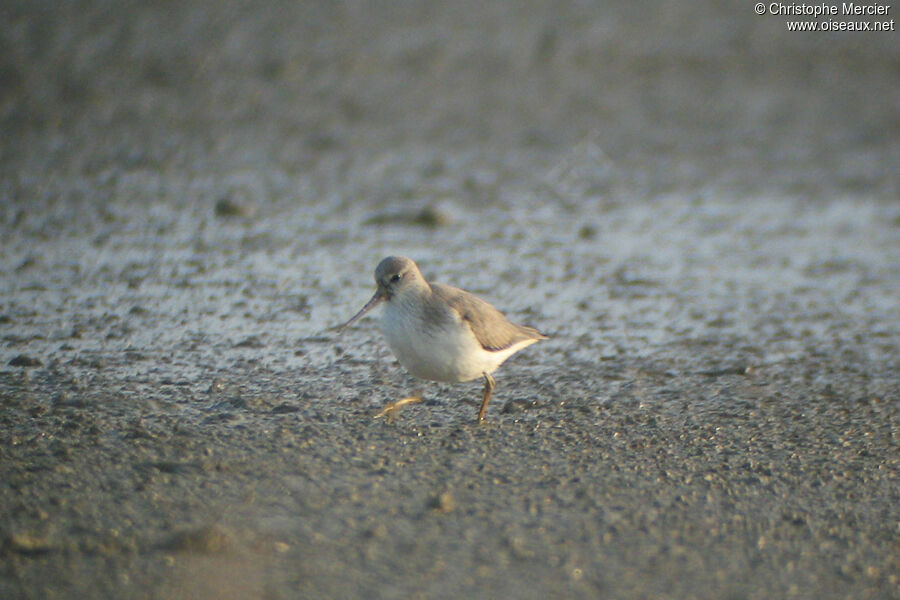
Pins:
<point x="696" y="204"/>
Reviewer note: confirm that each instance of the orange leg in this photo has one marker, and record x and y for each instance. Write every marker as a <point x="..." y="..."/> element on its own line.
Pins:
<point x="391" y="410"/>
<point x="489" y="384"/>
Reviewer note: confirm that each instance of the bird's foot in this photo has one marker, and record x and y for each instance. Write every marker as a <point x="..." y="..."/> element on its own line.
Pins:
<point x="390" y="411"/>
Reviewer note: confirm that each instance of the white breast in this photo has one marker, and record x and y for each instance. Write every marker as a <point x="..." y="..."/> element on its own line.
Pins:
<point x="439" y="352"/>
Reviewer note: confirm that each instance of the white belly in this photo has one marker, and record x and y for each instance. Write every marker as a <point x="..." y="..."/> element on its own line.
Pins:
<point x="449" y="353"/>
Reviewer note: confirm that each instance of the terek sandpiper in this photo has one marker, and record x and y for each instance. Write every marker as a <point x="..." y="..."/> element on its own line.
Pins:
<point x="442" y="333"/>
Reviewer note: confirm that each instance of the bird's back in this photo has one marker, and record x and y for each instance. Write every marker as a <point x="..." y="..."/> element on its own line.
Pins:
<point x="491" y="327"/>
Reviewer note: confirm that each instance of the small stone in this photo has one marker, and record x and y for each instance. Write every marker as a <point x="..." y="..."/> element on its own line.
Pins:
<point x="23" y="360"/>
<point x="429" y="216"/>
<point x="432" y="217"/>
<point x="250" y="342"/>
<point x="25" y="543"/>
<point x="443" y="502"/>
<point x="226" y="207"/>
<point x="26" y="264"/>
<point x="210" y="539"/>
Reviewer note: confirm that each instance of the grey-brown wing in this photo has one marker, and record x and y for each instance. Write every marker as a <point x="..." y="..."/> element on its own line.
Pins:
<point x="491" y="327"/>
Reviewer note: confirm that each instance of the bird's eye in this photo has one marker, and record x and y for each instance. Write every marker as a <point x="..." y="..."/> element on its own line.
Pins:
<point x="395" y="277"/>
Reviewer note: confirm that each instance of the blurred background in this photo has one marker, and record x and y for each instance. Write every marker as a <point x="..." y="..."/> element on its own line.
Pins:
<point x="193" y="193"/>
<point x="303" y="142"/>
<point x="674" y="96"/>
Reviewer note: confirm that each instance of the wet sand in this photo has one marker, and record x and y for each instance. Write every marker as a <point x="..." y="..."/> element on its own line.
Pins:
<point x="698" y="206"/>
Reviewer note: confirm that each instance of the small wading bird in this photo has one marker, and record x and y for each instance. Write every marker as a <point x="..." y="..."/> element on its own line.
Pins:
<point x="439" y="332"/>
